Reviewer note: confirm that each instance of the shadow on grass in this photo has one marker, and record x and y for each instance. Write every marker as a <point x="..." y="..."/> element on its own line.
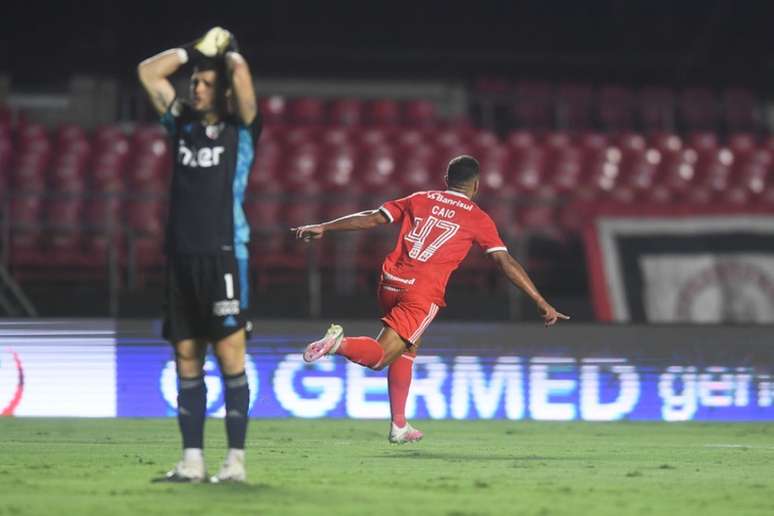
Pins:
<point x="451" y="456"/>
<point x="221" y="487"/>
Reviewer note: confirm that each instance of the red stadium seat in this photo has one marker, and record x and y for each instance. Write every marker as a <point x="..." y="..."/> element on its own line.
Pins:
<point x="557" y="140"/>
<point x="753" y="171"/>
<point x="666" y="141"/>
<point x="26" y="216"/>
<point x="145" y="217"/>
<point x="377" y="168"/>
<point x="566" y="170"/>
<point x="713" y="169"/>
<point x="703" y="141"/>
<point x="416" y="172"/>
<point x="631" y="142"/>
<point x="742" y="144"/>
<point x="382" y="112"/>
<point x="29" y="172"/>
<point x="273" y="109"/>
<point x="482" y="141"/>
<point x="303" y="205"/>
<point x="338" y="168"/>
<point x="108" y="172"/>
<point x="374" y="136"/>
<point x="527" y="169"/>
<point x="301" y="166"/>
<point x="494" y="168"/>
<point x="69" y="171"/>
<point x="69" y="133"/>
<point x="266" y="165"/>
<point x="306" y="110"/>
<point x="335" y="136"/>
<point x="678" y="170"/>
<point x="592" y="141"/>
<point x="519" y="140"/>
<point x="345" y="112"/>
<point x="410" y="137"/>
<point x="419" y="113"/>
<point x="64" y="230"/>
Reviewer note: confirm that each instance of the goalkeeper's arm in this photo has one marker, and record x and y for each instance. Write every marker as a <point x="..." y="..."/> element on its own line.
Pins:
<point x="153" y="72"/>
<point x="242" y="86"/>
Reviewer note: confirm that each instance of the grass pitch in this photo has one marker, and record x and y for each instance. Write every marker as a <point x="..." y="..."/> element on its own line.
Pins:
<point x="67" y="466"/>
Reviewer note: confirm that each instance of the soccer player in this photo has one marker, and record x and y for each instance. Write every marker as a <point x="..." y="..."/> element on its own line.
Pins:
<point x="437" y="229"/>
<point x="213" y="135"/>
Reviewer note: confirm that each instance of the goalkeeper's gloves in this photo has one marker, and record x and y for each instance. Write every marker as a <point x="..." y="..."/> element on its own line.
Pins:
<point x="215" y="43"/>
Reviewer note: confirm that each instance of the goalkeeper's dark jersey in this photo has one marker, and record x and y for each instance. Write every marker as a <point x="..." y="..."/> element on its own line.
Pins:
<point x="211" y="165"/>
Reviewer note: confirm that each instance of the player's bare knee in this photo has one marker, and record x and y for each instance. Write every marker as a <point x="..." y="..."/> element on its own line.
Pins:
<point x="230" y="353"/>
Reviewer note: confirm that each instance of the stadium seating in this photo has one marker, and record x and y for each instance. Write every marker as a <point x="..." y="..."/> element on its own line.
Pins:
<point x="75" y="196"/>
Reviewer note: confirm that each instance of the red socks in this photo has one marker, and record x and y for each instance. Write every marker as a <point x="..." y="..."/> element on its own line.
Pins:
<point x="399" y="381"/>
<point x="367" y="352"/>
<point x="361" y="350"/>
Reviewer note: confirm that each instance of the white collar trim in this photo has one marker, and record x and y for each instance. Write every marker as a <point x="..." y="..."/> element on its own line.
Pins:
<point x="460" y="194"/>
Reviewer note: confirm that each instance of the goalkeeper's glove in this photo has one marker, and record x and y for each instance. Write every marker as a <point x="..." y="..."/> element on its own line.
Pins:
<point x="214" y="43"/>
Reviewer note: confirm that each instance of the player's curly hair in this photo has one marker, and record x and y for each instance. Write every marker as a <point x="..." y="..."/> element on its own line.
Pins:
<point x="462" y="169"/>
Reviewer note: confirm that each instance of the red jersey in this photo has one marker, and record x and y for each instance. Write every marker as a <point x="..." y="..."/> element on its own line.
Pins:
<point x="436" y="233"/>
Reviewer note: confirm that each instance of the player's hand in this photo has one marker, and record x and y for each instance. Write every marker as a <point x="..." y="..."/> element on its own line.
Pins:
<point x="215" y="42"/>
<point x="310" y="232"/>
<point x="550" y="315"/>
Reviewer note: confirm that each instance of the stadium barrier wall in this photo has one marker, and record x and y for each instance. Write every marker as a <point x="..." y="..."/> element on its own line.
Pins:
<point x="106" y="368"/>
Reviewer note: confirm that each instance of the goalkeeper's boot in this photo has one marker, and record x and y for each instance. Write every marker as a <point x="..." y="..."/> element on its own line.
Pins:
<point x="328" y="345"/>
<point x="407" y="434"/>
<point x="233" y="469"/>
<point x="187" y="470"/>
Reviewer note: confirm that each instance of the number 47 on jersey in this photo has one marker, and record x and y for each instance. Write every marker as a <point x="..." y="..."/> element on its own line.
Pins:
<point x="421" y="231"/>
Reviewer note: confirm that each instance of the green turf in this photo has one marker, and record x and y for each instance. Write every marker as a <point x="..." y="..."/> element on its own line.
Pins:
<point x="66" y="466"/>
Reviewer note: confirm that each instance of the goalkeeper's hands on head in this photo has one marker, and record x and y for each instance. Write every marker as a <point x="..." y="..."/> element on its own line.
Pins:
<point x="216" y="42"/>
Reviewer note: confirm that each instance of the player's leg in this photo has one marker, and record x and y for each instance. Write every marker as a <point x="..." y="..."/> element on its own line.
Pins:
<point x="191" y="410"/>
<point x="369" y="352"/>
<point x="399" y="381"/>
<point x="374" y="353"/>
<point x="228" y="292"/>
<point x="231" y="357"/>
<point x="180" y="329"/>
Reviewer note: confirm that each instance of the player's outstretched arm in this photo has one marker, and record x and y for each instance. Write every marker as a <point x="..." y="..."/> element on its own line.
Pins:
<point x="519" y="277"/>
<point x="356" y="221"/>
<point x="242" y="86"/>
<point x="153" y="73"/>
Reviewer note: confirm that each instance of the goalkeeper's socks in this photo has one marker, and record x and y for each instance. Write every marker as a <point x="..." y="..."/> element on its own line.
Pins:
<point x="365" y="351"/>
<point x="191" y="410"/>
<point x="237" y="405"/>
<point x="399" y="381"/>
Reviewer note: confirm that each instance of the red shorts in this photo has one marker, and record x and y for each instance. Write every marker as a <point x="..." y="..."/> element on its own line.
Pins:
<point x="409" y="316"/>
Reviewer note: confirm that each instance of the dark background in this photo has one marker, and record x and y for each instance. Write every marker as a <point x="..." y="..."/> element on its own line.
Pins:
<point x="675" y="42"/>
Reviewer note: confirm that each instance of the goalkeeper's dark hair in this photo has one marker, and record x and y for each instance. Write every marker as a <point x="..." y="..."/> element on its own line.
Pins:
<point x="217" y="64"/>
<point x="461" y="170"/>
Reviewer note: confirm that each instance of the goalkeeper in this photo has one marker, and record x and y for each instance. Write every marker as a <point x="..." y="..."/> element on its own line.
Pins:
<point x="213" y="135"/>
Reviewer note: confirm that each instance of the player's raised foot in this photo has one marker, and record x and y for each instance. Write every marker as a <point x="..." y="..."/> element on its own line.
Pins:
<point x="233" y="470"/>
<point x="325" y="346"/>
<point x="407" y="434"/>
<point x="192" y="471"/>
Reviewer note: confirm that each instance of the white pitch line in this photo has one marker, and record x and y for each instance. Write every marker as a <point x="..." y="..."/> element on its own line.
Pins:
<point x="752" y="446"/>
